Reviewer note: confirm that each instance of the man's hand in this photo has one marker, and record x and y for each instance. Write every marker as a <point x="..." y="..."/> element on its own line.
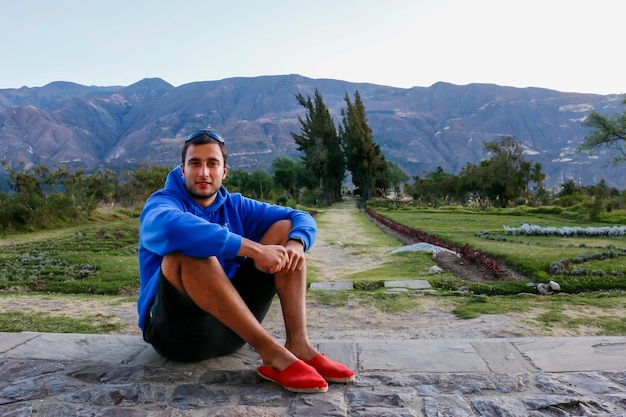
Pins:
<point x="275" y="258"/>
<point x="297" y="259"/>
<point x="294" y="261"/>
<point x="271" y="258"/>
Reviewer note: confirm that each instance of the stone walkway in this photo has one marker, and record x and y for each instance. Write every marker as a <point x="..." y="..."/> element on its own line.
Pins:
<point x="44" y="374"/>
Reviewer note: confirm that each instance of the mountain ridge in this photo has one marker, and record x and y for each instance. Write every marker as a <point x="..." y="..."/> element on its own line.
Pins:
<point x="420" y="128"/>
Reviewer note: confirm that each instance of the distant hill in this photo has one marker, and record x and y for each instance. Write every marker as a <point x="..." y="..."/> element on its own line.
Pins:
<point x="420" y="128"/>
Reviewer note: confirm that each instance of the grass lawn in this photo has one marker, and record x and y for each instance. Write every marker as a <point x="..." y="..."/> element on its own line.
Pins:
<point x="531" y="255"/>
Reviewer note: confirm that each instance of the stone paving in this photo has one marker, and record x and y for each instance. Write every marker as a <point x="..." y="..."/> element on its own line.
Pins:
<point x="43" y="374"/>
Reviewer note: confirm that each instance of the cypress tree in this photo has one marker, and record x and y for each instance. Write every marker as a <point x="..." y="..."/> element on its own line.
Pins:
<point x="364" y="158"/>
<point x="323" y="157"/>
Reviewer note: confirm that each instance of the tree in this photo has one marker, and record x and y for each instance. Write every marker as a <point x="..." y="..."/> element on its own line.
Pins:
<point x="285" y="174"/>
<point x="474" y="180"/>
<point x="436" y="187"/>
<point x="539" y="195"/>
<point x="537" y="175"/>
<point x="260" y="186"/>
<point x="396" y="177"/>
<point x="323" y="158"/>
<point x="570" y="188"/>
<point x="509" y="170"/>
<point x="237" y="180"/>
<point x="503" y="177"/>
<point x="140" y="183"/>
<point x="36" y="181"/>
<point x="85" y="191"/>
<point x="364" y="158"/>
<point x="42" y="197"/>
<point x="609" y="133"/>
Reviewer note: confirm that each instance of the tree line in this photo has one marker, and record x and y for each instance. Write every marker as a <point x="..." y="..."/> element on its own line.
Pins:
<point x="492" y="183"/>
<point x="502" y="178"/>
<point x="506" y="178"/>
<point x="41" y="198"/>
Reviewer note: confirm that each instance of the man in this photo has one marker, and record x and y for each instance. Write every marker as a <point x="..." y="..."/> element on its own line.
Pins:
<point x="210" y="263"/>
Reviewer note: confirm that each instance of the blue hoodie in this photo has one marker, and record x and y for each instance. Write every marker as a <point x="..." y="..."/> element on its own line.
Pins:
<point x="171" y="221"/>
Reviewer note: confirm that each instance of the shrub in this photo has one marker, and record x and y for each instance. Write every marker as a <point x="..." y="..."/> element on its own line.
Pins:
<point x="567" y="231"/>
<point x="560" y="267"/>
<point x="557" y="268"/>
<point x="546" y="210"/>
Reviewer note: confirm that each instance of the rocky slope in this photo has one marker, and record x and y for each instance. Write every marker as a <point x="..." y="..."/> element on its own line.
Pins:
<point x="420" y="128"/>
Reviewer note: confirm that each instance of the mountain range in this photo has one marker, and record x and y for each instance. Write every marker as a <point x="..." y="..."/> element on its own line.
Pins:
<point x="420" y="128"/>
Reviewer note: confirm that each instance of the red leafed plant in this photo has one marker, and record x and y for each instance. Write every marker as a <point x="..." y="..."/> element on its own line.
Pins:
<point x="477" y="257"/>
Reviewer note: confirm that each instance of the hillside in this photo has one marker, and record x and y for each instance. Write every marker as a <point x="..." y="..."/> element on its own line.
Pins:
<point x="420" y="128"/>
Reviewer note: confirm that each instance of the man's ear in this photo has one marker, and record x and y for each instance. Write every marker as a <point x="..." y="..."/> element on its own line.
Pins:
<point x="225" y="171"/>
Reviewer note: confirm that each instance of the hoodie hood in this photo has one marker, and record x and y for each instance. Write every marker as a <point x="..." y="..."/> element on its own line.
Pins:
<point x="175" y="183"/>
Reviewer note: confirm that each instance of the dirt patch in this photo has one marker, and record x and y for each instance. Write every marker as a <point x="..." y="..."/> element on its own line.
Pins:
<point x="470" y="271"/>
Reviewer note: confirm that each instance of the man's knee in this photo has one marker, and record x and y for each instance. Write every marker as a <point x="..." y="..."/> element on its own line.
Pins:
<point x="278" y="233"/>
<point x="178" y="268"/>
<point x="171" y="265"/>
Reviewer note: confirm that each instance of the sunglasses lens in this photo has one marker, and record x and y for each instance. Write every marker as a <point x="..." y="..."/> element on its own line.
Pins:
<point x="199" y="133"/>
<point x="215" y="136"/>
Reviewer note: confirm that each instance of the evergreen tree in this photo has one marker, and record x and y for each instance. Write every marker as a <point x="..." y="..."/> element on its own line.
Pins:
<point x="363" y="157"/>
<point x="323" y="157"/>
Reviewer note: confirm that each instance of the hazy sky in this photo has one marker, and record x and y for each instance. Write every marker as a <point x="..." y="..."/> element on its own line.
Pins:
<point x="565" y="45"/>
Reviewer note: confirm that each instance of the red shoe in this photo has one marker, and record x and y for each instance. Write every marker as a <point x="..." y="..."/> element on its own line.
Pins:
<point x="297" y="377"/>
<point x="330" y="370"/>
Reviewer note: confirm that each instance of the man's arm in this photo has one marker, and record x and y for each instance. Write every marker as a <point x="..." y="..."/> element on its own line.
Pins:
<point x="258" y="216"/>
<point x="166" y="228"/>
<point x="274" y="258"/>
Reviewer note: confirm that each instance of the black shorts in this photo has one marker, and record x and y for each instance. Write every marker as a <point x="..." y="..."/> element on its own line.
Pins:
<point x="180" y="330"/>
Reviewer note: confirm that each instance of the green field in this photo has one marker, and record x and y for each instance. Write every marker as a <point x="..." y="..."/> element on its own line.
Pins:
<point x="96" y="259"/>
<point x="589" y="263"/>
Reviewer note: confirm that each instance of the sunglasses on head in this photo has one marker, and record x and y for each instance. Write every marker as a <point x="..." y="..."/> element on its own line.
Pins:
<point x="199" y="133"/>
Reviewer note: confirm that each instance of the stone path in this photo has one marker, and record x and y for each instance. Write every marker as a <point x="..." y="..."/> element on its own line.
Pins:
<point x="43" y="374"/>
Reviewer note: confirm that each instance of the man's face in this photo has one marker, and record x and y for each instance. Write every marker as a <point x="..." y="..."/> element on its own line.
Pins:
<point x="204" y="171"/>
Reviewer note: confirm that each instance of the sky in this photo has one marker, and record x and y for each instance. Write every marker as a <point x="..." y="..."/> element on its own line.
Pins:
<point x="564" y="45"/>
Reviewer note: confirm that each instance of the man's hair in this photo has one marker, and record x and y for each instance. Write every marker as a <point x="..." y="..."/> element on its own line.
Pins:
<point x="202" y="140"/>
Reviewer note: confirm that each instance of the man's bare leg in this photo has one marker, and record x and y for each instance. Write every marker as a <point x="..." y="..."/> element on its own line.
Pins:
<point x="291" y="290"/>
<point x="204" y="281"/>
